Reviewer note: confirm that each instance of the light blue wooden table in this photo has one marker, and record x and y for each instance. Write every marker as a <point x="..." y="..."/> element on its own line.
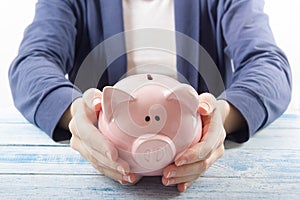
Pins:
<point x="32" y="166"/>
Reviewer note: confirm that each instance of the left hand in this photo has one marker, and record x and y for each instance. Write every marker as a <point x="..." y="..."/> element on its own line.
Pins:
<point x="194" y="161"/>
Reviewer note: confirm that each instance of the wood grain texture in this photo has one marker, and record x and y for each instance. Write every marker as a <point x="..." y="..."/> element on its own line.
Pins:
<point x="235" y="162"/>
<point x="11" y="115"/>
<point x="100" y="187"/>
<point x="282" y="136"/>
<point x="32" y="166"/>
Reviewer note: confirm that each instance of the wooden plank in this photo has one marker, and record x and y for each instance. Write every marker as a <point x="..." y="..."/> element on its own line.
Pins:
<point x="99" y="187"/>
<point x="28" y="134"/>
<point x="235" y="163"/>
<point x="14" y="126"/>
<point x="33" y="166"/>
<point x="23" y="134"/>
<point x="11" y="115"/>
<point x="270" y="139"/>
<point x="42" y="160"/>
<point x="287" y="120"/>
<point x="39" y="154"/>
<point x="257" y="163"/>
<point x="47" y="169"/>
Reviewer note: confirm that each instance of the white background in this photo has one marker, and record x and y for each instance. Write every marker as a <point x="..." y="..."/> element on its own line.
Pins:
<point x="15" y="15"/>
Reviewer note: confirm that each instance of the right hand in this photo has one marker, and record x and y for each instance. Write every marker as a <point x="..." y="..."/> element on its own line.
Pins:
<point x="93" y="145"/>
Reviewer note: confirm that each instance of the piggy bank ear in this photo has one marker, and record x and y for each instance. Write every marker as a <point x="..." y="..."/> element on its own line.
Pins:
<point x="112" y="97"/>
<point x="186" y="95"/>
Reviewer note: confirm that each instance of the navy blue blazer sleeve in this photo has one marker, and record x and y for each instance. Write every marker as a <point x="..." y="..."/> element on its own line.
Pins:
<point x="261" y="82"/>
<point x="37" y="75"/>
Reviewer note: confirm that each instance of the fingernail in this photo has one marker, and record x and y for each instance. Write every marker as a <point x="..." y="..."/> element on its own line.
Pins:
<point x="180" y="154"/>
<point x="184" y="187"/>
<point x="127" y="178"/>
<point x="171" y="174"/>
<point x="123" y="183"/>
<point x="108" y="155"/>
<point x="96" y="101"/>
<point x="180" y="163"/>
<point x="101" y="164"/>
<point x="97" y="104"/>
<point x="171" y="181"/>
<point x="205" y="106"/>
<point x="121" y="170"/>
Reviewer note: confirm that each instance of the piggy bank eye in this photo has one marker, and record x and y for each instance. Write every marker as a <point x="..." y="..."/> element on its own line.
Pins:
<point x="149" y="77"/>
<point x="147" y="118"/>
<point x="157" y="118"/>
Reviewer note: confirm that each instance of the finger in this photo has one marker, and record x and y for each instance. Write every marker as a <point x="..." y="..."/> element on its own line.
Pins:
<point x="210" y="141"/>
<point x="198" y="168"/>
<point x="74" y="142"/>
<point x="112" y="173"/>
<point x="119" y="165"/>
<point x="77" y="145"/>
<point x="182" y="177"/>
<point x="93" y="98"/>
<point x="193" y="155"/>
<point x="92" y="137"/>
<point x="197" y="153"/>
<point x="136" y="179"/>
<point x="115" y="175"/>
<point x="207" y="103"/>
<point x="172" y="171"/>
<point x="174" y="181"/>
<point x="181" y="187"/>
<point x="206" y="163"/>
<point x="214" y="136"/>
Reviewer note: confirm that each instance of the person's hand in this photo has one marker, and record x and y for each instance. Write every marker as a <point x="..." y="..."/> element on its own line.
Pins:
<point x="91" y="144"/>
<point x="194" y="161"/>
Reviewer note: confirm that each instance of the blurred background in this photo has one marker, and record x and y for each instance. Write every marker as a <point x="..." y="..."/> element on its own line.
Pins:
<point x="15" y="15"/>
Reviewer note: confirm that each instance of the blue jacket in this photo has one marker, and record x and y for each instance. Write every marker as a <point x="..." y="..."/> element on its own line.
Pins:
<point x="63" y="32"/>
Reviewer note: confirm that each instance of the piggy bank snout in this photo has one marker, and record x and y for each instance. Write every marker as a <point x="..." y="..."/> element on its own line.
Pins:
<point x="153" y="152"/>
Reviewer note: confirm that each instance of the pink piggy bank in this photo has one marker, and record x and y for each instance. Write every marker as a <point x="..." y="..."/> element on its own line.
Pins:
<point x="150" y="118"/>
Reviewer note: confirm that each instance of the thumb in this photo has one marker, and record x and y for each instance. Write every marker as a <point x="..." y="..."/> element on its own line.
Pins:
<point x="207" y="103"/>
<point x="93" y="98"/>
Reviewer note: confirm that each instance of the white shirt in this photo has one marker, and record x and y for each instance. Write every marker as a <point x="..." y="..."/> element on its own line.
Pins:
<point x="154" y="14"/>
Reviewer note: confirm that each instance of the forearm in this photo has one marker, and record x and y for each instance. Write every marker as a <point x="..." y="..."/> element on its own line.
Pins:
<point x="65" y="119"/>
<point x="231" y="117"/>
<point x="68" y="114"/>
